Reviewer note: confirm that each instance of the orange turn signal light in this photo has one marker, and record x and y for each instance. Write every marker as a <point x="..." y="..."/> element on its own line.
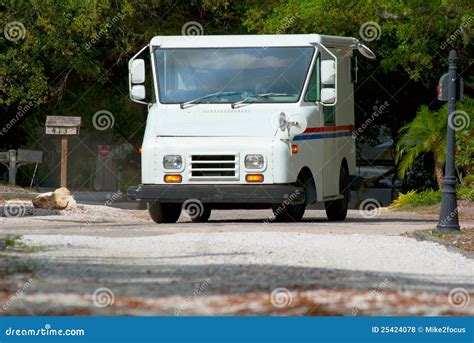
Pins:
<point x="140" y="150"/>
<point x="254" y="178"/>
<point x="172" y="178"/>
<point x="294" y="149"/>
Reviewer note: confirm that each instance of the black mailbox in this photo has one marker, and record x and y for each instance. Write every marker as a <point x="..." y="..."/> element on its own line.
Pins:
<point x="443" y="88"/>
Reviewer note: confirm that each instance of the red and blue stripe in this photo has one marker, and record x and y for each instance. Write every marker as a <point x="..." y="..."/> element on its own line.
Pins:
<point x="325" y="132"/>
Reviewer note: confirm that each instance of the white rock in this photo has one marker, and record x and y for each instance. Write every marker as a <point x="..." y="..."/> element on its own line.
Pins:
<point x="59" y="199"/>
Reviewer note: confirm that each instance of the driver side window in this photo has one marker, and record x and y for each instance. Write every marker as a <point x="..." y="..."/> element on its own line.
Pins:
<point x="314" y="86"/>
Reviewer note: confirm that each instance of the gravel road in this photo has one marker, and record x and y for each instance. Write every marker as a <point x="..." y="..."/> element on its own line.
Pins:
<point x="96" y="255"/>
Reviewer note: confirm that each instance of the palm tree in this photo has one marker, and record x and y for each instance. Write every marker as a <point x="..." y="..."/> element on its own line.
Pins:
<point x="425" y="134"/>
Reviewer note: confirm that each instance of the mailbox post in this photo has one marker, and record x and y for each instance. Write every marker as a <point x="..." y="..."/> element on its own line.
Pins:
<point x="448" y="216"/>
<point x="12" y="168"/>
<point x="64" y="127"/>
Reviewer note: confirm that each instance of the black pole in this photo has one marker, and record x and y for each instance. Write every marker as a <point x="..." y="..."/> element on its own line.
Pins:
<point x="448" y="217"/>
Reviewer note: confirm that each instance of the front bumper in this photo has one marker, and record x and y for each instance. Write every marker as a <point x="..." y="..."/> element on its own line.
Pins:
<point x="219" y="194"/>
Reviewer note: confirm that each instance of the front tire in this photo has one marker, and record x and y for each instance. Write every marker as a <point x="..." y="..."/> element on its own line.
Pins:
<point x="288" y="213"/>
<point x="336" y="210"/>
<point x="164" y="213"/>
<point x="203" y="216"/>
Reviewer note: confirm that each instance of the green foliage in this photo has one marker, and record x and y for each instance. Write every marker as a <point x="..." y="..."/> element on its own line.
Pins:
<point x="427" y="133"/>
<point x="469" y="180"/>
<point x="410" y="32"/>
<point x="466" y="193"/>
<point x="465" y="137"/>
<point x="403" y="199"/>
<point x="76" y="42"/>
<point x="11" y="241"/>
<point x="429" y="197"/>
<point x="416" y="199"/>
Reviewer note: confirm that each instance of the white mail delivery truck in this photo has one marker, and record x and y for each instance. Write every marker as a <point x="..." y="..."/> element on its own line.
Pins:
<point x="246" y="122"/>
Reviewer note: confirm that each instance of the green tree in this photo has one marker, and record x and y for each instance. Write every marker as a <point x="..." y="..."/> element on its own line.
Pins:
<point x="424" y="134"/>
<point x="427" y="134"/>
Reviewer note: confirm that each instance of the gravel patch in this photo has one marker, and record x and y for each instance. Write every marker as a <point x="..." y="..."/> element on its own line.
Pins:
<point x="372" y="253"/>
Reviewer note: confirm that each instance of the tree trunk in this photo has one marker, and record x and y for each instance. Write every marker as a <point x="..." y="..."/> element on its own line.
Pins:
<point x="438" y="171"/>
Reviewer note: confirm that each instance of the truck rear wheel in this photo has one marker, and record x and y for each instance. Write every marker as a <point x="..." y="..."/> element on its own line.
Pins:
<point x="336" y="210"/>
<point x="288" y="213"/>
<point x="164" y="213"/>
<point x="203" y="216"/>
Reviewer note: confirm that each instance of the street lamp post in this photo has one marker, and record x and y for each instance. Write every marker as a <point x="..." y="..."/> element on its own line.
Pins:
<point x="448" y="217"/>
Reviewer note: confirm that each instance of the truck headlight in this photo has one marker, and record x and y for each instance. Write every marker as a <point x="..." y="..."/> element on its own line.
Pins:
<point x="172" y="162"/>
<point x="254" y="161"/>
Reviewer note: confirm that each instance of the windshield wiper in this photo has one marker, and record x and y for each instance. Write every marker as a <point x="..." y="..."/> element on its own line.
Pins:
<point x="258" y="96"/>
<point x="199" y="100"/>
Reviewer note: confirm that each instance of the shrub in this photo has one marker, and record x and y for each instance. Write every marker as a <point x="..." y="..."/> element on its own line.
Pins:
<point x="416" y="199"/>
<point x="429" y="197"/>
<point x="469" y="180"/>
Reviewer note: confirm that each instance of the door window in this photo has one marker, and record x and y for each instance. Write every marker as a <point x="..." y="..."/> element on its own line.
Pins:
<point x="314" y="87"/>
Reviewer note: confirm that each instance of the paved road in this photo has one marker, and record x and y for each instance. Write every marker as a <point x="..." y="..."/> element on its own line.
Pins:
<point x="235" y="264"/>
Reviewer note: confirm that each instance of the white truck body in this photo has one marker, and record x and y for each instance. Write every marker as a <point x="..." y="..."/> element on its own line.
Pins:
<point x="293" y="105"/>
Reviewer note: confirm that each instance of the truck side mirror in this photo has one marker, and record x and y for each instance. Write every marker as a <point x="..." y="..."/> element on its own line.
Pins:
<point x="328" y="95"/>
<point x="138" y="92"/>
<point x="328" y="72"/>
<point x="137" y="71"/>
<point x="328" y="77"/>
<point x="137" y="77"/>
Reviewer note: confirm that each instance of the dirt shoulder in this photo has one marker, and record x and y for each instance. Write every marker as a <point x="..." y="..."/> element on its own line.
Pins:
<point x="464" y="240"/>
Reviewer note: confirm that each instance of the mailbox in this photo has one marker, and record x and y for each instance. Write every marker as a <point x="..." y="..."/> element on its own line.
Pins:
<point x="62" y="125"/>
<point x="443" y="88"/>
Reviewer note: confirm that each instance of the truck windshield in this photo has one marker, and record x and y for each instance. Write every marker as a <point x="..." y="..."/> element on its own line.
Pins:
<point x="229" y="75"/>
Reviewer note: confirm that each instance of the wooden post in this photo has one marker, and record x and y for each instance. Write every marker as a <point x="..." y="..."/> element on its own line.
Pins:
<point x="63" y="161"/>
<point x="12" y="168"/>
<point x="63" y="126"/>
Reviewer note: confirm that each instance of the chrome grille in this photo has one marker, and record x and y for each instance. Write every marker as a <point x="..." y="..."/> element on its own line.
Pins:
<point x="214" y="167"/>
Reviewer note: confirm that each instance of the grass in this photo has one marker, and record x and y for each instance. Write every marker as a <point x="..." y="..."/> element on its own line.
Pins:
<point x="414" y="199"/>
<point x="9" y="258"/>
<point x="13" y="243"/>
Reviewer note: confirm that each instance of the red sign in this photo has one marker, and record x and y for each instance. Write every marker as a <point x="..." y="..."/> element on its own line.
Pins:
<point x="104" y="151"/>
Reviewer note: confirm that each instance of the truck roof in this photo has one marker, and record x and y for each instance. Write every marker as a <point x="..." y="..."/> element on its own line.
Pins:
<point x="222" y="41"/>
